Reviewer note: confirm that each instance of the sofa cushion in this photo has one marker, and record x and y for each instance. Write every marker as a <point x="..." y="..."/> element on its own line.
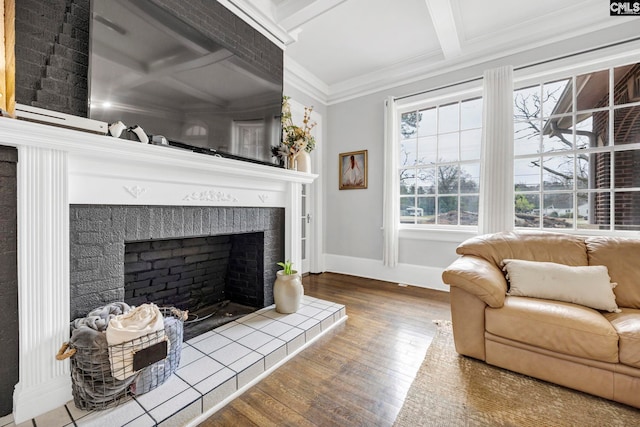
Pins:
<point x="627" y="325"/>
<point x="557" y="326"/>
<point x="528" y="245"/>
<point x="584" y="285"/>
<point x="621" y="256"/>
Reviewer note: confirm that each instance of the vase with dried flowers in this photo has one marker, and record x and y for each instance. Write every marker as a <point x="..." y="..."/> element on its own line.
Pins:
<point x="297" y="141"/>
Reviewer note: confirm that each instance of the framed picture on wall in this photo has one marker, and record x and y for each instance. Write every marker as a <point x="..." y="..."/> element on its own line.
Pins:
<point x="352" y="170"/>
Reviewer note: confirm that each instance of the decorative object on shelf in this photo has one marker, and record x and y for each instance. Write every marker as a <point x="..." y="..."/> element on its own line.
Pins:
<point x="119" y="129"/>
<point x="297" y="141"/>
<point x="303" y="161"/>
<point x="116" y="129"/>
<point x="139" y="133"/>
<point x="159" y="140"/>
<point x="287" y="289"/>
<point x="352" y="170"/>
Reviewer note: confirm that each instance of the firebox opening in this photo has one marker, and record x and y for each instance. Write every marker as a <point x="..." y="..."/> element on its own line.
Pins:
<point x="217" y="278"/>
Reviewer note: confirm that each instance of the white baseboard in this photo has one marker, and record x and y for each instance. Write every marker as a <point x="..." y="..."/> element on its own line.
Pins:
<point x="50" y="394"/>
<point x="408" y="274"/>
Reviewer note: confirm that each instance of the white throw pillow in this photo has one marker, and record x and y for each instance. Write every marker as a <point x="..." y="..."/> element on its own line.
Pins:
<point x="589" y="285"/>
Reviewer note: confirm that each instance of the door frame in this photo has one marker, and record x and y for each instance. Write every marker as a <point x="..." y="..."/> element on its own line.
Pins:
<point x="315" y="192"/>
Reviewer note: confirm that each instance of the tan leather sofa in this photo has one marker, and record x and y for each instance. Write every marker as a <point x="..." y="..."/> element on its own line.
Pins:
<point x="564" y="343"/>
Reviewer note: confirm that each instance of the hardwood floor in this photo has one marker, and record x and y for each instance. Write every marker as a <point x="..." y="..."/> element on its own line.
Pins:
<point x="356" y="375"/>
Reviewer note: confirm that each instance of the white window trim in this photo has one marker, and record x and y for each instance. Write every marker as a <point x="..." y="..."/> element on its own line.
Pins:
<point x="589" y="63"/>
<point x="446" y="233"/>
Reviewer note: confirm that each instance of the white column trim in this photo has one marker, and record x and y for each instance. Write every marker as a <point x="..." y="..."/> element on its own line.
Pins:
<point x="43" y="281"/>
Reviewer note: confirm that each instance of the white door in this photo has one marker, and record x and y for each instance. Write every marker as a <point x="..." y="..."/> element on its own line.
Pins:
<point x="311" y="197"/>
<point x="306" y="227"/>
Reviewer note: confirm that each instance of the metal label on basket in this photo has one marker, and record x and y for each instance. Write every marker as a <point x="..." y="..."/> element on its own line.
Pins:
<point x="150" y="355"/>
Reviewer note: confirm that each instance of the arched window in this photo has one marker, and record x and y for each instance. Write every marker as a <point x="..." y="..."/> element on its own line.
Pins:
<point x="196" y="130"/>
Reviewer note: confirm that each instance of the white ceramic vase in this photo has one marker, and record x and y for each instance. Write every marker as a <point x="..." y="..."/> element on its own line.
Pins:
<point x="304" y="161"/>
<point x="287" y="292"/>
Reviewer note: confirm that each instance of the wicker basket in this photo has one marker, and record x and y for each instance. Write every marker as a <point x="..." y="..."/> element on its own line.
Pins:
<point x="93" y="375"/>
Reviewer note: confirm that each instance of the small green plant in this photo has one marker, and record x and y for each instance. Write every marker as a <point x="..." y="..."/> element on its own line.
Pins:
<point x="287" y="267"/>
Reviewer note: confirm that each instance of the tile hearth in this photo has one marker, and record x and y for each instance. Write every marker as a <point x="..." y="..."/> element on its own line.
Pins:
<point x="214" y="367"/>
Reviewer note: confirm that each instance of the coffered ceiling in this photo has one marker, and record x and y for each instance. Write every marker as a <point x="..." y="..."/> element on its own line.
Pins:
<point x="341" y="48"/>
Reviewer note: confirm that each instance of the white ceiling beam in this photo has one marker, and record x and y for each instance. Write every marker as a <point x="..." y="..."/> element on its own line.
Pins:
<point x="445" y="26"/>
<point x="291" y="14"/>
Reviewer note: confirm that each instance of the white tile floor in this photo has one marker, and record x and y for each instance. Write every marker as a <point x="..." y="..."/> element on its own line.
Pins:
<point x="214" y="367"/>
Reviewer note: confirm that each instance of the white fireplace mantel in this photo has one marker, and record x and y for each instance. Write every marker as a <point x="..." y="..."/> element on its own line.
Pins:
<point x="58" y="167"/>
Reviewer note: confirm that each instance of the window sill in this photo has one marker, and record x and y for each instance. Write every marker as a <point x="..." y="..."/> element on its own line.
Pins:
<point x="440" y="235"/>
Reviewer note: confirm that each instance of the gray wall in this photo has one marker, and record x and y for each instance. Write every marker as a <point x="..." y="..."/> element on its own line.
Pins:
<point x="52" y="54"/>
<point x="354" y="217"/>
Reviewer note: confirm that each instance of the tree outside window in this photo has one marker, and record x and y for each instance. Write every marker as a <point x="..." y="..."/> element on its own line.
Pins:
<point x="439" y="164"/>
<point x="568" y="171"/>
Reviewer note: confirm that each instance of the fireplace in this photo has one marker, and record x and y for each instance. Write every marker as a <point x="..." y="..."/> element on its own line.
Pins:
<point x="72" y="184"/>
<point x="184" y="256"/>
<point x="197" y="272"/>
<point x="192" y="258"/>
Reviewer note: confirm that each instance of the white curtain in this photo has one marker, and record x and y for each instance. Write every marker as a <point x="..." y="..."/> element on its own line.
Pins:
<point x="391" y="214"/>
<point x="496" y="174"/>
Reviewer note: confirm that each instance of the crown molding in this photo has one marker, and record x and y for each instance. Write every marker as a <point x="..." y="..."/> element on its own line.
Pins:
<point x="260" y="21"/>
<point x="434" y="64"/>
<point x="305" y="81"/>
<point x="290" y="14"/>
<point x="484" y="48"/>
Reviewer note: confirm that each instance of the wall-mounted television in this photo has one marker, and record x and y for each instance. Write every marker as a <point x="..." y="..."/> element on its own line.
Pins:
<point x="149" y="68"/>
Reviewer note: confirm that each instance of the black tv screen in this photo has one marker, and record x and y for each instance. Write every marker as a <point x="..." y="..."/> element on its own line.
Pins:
<point x="149" y="68"/>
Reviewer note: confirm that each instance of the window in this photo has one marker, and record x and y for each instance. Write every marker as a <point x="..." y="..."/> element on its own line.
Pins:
<point x="249" y="138"/>
<point x="577" y="152"/>
<point x="195" y="133"/>
<point x="439" y="163"/>
<point x="196" y="130"/>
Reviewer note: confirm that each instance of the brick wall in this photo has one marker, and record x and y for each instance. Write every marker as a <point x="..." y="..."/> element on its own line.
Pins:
<point x="52" y="54"/>
<point x="195" y="272"/>
<point x="245" y="269"/>
<point x="626" y="131"/>
<point x="98" y="234"/>
<point x="52" y="47"/>
<point x="9" y="339"/>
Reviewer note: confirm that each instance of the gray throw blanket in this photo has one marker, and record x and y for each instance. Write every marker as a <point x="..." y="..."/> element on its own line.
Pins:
<point x="93" y="385"/>
<point x="98" y="319"/>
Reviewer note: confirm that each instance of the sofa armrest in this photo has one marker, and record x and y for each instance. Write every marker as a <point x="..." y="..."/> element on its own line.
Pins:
<point x="478" y="277"/>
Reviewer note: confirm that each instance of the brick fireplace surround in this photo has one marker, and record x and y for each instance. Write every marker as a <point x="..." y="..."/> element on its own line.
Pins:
<point x="98" y="234"/>
<point x="59" y="168"/>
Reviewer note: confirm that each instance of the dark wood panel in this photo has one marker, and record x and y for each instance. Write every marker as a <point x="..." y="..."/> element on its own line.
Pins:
<point x="356" y="375"/>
